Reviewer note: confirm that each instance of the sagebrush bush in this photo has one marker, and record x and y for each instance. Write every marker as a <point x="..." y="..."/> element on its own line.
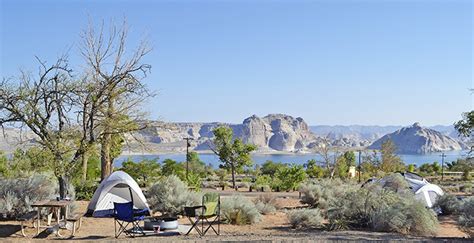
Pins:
<point x="380" y="209"/>
<point x="466" y="216"/>
<point x="448" y="204"/>
<point x="239" y="210"/>
<point x="170" y="195"/>
<point x="406" y="216"/>
<point x="305" y="218"/>
<point x="17" y="195"/>
<point x="266" y="203"/>
<point x="320" y="193"/>
<point x="395" y="182"/>
<point x="355" y="208"/>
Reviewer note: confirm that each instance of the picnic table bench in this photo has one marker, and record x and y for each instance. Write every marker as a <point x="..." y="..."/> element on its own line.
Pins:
<point x="76" y="220"/>
<point x="29" y="216"/>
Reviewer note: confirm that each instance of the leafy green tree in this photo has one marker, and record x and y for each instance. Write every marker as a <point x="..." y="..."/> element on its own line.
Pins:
<point x="350" y="158"/>
<point x="196" y="165"/>
<point x="342" y="167"/>
<point x="313" y="170"/>
<point x="145" y="171"/>
<point x="426" y="169"/>
<point x="291" y="176"/>
<point x="171" y="167"/>
<point x="466" y="126"/>
<point x="270" y="167"/>
<point x="436" y="167"/>
<point x="390" y="161"/>
<point x="233" y="153"/>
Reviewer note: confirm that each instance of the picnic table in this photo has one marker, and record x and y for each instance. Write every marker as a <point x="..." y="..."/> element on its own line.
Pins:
<point x="53" y="205"/>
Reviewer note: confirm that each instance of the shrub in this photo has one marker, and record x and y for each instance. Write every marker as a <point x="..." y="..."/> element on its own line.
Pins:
<point x="85" y="190"/>
<point x="448" y="204"/>
<point x="195" y="181"/>
<point x="380" y="209"/>
<point x="466" y="218"/>
<point x="239" y="210"/>
<point x="17" y="195"/>
<point x="305" y="218"/>
<point x="318" y="194"/>
<point x="355" y="208"/>
<point x="169" y="196"/>
<point x="467" y="188"/>
<point x="395" y="182"/>
<point x="406" y="216"/>
<point x="265" y="203"/>
<point x="290" y="177"/>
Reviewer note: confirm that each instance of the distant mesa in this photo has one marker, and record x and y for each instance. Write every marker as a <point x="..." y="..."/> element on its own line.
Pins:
<point x="416" y="139"/>
<point x="273" y="133"/>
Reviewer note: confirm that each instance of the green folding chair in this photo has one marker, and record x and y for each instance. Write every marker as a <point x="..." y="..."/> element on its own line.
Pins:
<point x="209" y="212"/>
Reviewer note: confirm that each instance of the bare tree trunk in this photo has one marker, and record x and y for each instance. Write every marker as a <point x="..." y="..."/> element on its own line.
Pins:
<point x="62" y="186"/>
<point x="106" y="143"/>
<point x="105" y="157"/>
<point x="85" y="158"/>
<point x="233" y="176"/>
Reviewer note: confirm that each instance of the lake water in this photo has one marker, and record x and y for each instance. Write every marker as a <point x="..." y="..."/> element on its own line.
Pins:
<point x="292" y="158"/>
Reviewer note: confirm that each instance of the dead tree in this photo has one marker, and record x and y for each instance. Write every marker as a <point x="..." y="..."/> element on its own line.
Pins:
<point x="116" y="77"/>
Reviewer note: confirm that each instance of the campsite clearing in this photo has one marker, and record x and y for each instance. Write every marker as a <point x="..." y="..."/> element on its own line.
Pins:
<point x="272" y="227"/>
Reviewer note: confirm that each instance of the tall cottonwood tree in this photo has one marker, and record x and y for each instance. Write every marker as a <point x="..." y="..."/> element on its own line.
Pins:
<point x="116" y="77"/>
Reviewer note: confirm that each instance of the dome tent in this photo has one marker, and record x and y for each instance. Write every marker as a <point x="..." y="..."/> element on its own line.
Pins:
<point x="424" y="191"/>
<point x="118" y="187"/>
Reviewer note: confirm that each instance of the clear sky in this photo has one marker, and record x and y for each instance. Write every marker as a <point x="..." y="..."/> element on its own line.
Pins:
<point x="330" y="62"/>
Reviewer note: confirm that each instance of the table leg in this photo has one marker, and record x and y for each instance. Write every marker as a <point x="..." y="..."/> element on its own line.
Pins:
<point x="58" y="218"/>
<point x="38" y="220"/>
<point x="58" y="215"/>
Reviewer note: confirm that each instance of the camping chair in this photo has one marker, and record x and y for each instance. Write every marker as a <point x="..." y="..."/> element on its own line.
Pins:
<point x="210" y="213"/>
<point x="125" y="215"/>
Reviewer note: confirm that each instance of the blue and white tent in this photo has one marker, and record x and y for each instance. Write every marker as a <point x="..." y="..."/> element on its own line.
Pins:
<point x="119" y="187"/>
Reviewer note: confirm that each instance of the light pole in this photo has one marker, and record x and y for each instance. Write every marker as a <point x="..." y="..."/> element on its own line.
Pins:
<point x="188" y="144"/>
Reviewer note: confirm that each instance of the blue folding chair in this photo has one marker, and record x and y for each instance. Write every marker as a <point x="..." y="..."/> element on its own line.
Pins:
<point x="125" y="215"/>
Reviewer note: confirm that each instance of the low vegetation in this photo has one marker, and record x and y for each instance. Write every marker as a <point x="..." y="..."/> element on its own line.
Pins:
<point x="17" y="195"/>
<point x="266" y="203"/>
<point x="448" y="204"/>
<point x="466" y="216"/>
<point x="388" y="207"/>
<point x="239" y="210"/>
<point x="305" y="218"/>
<point x="170" y="195"/>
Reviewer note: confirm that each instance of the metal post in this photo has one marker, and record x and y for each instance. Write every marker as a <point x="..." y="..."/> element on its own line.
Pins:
<point x="359" y="165"/>
<point x="442" y="166"/>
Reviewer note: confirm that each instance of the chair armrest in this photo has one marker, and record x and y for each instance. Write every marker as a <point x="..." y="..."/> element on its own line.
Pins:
<point x="141" y="212"/>
<point x="191" y="211"/>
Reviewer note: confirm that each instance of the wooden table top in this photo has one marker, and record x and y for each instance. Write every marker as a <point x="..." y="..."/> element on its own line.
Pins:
<point x="51" y="203"/>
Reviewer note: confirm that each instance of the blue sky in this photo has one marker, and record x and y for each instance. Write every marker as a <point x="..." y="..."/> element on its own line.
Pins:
<point x="330" y="62"/>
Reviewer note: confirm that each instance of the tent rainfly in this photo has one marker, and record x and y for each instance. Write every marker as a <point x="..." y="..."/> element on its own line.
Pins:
<point x="118" y="187"/>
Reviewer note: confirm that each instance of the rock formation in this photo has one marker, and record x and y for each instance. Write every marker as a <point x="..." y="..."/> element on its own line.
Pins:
<point x="419" y="140"/>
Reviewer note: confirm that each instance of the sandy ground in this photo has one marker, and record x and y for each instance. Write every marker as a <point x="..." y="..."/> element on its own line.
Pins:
<point x="272" y="228"/>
